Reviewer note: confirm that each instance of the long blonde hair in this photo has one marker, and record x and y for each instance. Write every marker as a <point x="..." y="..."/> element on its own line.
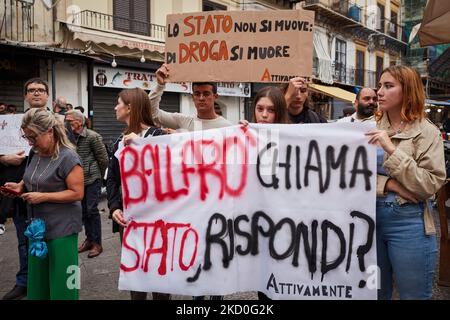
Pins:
<point x="40" y="120"/>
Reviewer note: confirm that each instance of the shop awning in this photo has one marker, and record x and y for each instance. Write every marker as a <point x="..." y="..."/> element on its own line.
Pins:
<point x="113" y="38"/>
<point x="334" y="92"/>
<point x="434" y="27"/>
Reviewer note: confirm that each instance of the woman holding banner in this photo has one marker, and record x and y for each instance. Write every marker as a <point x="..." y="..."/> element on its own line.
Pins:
<point x="133" y="108"/>
<point x="269" y="106"/>
<point x="411" y="169"/>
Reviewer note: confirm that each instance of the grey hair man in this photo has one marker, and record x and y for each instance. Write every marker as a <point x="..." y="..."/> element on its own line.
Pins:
<point x="94" y="158"/>
<point x="60" y="105"/>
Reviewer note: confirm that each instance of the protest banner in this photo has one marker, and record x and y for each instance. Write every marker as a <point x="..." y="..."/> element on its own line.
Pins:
<point x="240" y="46"/>
<point x="11" y="140"/>
<point x="288" y="210"/>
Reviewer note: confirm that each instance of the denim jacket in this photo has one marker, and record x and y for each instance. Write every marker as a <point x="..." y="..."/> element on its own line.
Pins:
<point x="417" y="163"/>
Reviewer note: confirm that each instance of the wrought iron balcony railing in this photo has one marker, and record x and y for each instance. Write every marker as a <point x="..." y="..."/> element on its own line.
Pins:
<point x="349" y="9"/>
<point x="107" y="22"/>
<point x="348" y="75"/>
<point x="17" y="20"/>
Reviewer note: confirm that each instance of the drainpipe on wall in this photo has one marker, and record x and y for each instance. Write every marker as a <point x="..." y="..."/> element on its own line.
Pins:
<point x="53" y="80"/>
<point x="90" y="91"/>
<point x="54" y="17"/>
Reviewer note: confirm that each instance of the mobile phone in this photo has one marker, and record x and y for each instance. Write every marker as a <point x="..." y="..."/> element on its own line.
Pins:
<point x="9" y="192"/>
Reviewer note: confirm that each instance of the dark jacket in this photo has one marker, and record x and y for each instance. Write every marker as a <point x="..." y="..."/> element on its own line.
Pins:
<point x="307" y="116"/>
<point x="113" y="183"/>
<point x="93" y="155"/>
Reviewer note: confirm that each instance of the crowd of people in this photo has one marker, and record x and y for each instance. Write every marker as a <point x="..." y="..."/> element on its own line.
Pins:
<point x="60" y="180"/>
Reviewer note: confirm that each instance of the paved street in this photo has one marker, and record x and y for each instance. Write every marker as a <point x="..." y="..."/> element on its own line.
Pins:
<point x="99" y="276"/>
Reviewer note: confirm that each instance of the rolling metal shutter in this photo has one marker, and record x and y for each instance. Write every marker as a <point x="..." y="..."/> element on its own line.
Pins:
<point x="104" y="118"/>
<point x="11" y="92"/>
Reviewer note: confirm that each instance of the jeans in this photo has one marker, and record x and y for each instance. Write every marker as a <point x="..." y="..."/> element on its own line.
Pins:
<point x="404" y="252"/>
<point x="19" y="219"/>
<point x="91" y="215"/>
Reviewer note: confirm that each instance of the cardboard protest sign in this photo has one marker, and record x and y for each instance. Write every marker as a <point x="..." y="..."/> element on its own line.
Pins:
<point x="288" y="210"/>
<point x="240" y="46"/>
<point x="11" y="140"/>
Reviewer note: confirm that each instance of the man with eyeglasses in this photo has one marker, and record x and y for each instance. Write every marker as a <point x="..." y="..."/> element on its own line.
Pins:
<point x="204" y="95"/>
<point x="36" y="93"/>
<point x="13" y="165"/>
<point x="296" y="96"/>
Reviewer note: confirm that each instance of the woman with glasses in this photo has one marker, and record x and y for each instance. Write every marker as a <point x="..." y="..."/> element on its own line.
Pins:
<point x="52" y="186"/>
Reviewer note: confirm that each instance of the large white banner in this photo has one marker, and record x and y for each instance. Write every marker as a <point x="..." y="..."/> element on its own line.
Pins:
<point x="11" y="140"/>
<point x="288" y="210"/>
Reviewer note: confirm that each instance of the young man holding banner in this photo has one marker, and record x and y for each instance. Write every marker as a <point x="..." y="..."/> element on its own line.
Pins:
<point x="204" y="95"/>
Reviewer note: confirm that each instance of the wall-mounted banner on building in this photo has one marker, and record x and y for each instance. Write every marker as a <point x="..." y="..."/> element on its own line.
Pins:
<point x="234" y="89"/>
<point x="127" y="79"/>
<point x="11" y="140"/>
<point x="240" y="46"/>
<point x="288" y="210"/>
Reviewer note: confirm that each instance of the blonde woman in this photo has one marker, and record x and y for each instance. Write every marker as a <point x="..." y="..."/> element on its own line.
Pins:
<point x="52" y="186"/>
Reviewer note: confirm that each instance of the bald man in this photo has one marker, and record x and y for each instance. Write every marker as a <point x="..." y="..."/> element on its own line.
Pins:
<point x="60" y="105"/>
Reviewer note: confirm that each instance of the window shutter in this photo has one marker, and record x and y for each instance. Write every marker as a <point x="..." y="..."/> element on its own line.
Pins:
<point x="121" y="12"/>
<point x="141" y="19"/>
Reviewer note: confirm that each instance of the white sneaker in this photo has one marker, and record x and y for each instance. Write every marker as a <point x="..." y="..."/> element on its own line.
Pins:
<point x="2" y="229"/>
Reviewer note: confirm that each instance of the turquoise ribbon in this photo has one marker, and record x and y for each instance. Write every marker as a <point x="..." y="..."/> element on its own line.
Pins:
<point x="35" y="233"/>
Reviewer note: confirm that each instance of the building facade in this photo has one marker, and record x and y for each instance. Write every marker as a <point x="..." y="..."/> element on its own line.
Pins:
<point x="354" y="40"/>
<point x="90" y="50"/>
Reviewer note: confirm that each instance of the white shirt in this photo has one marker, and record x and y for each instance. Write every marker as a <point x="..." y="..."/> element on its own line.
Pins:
<point x="179" y="121"/>
<point x="351" y="118"/>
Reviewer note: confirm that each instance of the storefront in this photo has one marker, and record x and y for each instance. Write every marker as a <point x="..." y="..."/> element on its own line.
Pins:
<point x="109" y="81"/>
<point x="15" y="70"/>
<point x="64" y="70"/>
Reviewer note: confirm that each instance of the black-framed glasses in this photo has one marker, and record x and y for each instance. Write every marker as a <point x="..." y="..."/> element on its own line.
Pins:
<point x="30" y="138"/>
<point x="38" y="90"/>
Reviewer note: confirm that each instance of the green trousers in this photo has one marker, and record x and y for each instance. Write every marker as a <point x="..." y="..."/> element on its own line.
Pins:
<point x="57" y="277"/>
